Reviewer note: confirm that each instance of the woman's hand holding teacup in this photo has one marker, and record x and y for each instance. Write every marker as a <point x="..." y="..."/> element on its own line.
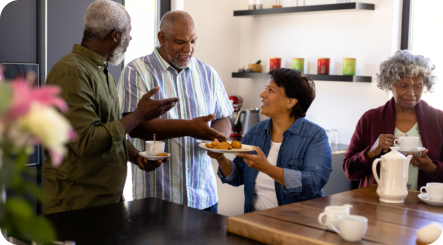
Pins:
<point x="424" y="163"/>
<point x="382" y="145"/>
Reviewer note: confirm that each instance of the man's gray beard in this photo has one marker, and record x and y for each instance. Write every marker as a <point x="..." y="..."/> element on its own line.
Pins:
<point x="175" y="62"/>
<point x="118" y="53"/>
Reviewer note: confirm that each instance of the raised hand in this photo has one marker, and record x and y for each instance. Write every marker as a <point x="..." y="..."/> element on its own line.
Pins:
<point x="149" y="108"/>
<point x="199" y="129"/>
<point x="384" y="141"/>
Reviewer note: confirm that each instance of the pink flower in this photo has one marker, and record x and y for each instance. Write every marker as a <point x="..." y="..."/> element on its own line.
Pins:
<point x="24" y="95"/>
<point x="2" y="77"/>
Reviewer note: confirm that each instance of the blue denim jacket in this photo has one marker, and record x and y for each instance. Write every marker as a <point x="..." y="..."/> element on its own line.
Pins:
<point x="304" y="155"/>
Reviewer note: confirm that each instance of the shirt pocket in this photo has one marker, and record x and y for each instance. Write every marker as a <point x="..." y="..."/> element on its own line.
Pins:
<point x="296" y="164"/>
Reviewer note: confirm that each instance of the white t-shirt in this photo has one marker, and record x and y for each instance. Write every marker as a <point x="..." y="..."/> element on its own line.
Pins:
<point x="264" y="191"/>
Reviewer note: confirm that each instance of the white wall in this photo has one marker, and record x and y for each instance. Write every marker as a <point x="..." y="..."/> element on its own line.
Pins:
<point x="365" y="35"/>
<point x="228" y="43"/>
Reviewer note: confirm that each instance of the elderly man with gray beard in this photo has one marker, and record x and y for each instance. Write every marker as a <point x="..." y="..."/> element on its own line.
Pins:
<point x="189" y="178"/>
<point x="93" y="172"/>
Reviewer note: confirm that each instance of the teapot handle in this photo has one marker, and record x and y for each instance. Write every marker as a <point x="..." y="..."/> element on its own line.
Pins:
<point x="238" y="116"/>
<point x="374" y="171"/>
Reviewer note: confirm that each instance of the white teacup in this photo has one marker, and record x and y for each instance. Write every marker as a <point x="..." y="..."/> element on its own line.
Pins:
<point x="152" y="149"/>
<point x="407" y="143"/>
<point x="352" y="228"/>
<point x="434" y="191"/>
<point x="331" y="213"/>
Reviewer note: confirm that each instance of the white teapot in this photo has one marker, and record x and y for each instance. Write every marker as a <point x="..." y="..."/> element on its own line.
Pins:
<point x="392" y="184"/>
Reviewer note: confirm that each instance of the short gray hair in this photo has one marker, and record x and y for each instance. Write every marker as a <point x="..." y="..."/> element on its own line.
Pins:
<point x="167" y="21"/>
<point x="103" y="17"/>
<point x="401" y="64"/>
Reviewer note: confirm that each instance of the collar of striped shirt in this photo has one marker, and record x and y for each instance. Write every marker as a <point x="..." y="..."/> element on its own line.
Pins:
<point x="165" y="65"/>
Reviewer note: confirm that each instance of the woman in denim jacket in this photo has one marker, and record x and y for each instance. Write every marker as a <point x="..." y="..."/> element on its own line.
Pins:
<point x="292" y="158"/>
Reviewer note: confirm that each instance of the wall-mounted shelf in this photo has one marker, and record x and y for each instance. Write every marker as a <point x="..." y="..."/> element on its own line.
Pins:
<point x="315" y="77"/>
<point x="311" y="8"/>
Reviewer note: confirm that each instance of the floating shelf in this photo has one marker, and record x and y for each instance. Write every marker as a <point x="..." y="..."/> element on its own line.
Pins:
<point x="311" y="8"/>
<point x="315" y="77"/>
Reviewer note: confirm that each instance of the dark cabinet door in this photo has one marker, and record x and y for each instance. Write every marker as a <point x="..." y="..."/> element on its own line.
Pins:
<point x="18" y="32"/>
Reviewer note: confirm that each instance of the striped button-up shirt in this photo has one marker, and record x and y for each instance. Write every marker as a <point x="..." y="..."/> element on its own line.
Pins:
<point x="188" y="178"/>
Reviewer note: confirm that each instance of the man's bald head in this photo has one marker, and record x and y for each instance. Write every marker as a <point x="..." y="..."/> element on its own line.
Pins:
<point x="175" y="17"/>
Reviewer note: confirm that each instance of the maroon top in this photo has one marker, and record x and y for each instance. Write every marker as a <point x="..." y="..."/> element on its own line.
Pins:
<point x="358" y="166"/>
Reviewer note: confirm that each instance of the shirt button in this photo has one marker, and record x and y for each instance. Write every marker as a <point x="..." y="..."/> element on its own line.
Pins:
<point x="104" y="62"/>
<point x="99" y="67"/>
<point x="112" y="100"/>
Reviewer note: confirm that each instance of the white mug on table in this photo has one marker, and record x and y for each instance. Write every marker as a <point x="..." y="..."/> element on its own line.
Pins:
<point x="434" y="191"/>
<point x="407" y="143"/>
<point x="352" y="228"/>
<point x="331" y="213"/>
<point x="153" y="149"/>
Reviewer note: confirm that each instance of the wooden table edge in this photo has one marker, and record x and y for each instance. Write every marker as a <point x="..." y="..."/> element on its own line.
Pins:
<point x="272" y="232"/>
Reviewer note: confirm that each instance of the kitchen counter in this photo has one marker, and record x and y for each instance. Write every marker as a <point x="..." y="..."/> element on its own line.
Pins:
<point x="144" y="221"/>
<point x="341" y="148"/>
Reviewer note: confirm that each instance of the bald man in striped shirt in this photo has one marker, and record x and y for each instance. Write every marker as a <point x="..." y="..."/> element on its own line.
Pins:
<point x="188" y="178"/>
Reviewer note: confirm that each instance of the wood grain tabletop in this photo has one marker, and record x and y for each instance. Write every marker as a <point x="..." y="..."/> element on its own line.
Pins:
<point x="297" y="223"/>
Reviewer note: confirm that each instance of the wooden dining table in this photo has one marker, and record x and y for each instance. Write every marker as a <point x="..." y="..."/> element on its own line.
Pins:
<point x="297" y="223"/>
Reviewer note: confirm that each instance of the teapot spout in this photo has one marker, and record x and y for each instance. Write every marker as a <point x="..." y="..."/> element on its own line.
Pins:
<point x="347" y="206"/>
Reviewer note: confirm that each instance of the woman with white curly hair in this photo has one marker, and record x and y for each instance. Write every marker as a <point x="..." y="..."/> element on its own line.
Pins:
<point x="407" y="76"/>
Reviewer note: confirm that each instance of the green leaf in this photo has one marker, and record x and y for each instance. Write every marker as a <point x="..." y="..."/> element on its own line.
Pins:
<point x="40" y="230"/>
<point x="5" y="97"/>
<point x="2" y="210"/>
<point x="19" y="208"/>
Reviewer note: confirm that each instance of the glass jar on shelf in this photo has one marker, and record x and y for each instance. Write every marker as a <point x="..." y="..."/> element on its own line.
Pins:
<point x="276" y="4"/>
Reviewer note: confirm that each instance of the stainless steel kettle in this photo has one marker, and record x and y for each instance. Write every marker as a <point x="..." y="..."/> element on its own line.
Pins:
<point x="246" y="119"/>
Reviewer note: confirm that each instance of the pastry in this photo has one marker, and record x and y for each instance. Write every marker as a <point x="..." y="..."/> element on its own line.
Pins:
<point x="236" y="144"/>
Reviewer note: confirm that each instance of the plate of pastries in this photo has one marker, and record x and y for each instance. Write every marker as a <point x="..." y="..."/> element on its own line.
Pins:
<point x="225" y="146"/>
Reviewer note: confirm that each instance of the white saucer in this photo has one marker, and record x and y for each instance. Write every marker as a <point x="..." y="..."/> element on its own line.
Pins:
<point x="152" y="158"/>
<point x="424" y="198"/>
<point x="415" y="151"/>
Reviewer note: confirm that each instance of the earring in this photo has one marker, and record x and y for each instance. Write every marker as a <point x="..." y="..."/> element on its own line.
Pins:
<point x="289" y="107"/>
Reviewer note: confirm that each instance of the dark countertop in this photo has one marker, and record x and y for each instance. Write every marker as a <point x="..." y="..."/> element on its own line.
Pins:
<point x="144" y="221"/>
<point x="340" y="149"/>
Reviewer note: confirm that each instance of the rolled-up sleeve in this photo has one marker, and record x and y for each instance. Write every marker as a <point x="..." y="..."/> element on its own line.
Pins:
<point x="293" y="180"/>
<point x="236" y="177"/>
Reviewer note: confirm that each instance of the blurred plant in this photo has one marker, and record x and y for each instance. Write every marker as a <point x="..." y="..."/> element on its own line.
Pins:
<point x="28" y="116"/>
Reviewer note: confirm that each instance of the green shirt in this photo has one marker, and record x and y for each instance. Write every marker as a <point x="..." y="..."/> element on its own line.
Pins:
<point x="93" y="171"/>
<point x="413" y="170"/>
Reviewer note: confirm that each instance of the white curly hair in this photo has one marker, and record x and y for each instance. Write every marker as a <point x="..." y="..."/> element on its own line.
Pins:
<point x="103" y="17"/>
<point x="401" y="64"/>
